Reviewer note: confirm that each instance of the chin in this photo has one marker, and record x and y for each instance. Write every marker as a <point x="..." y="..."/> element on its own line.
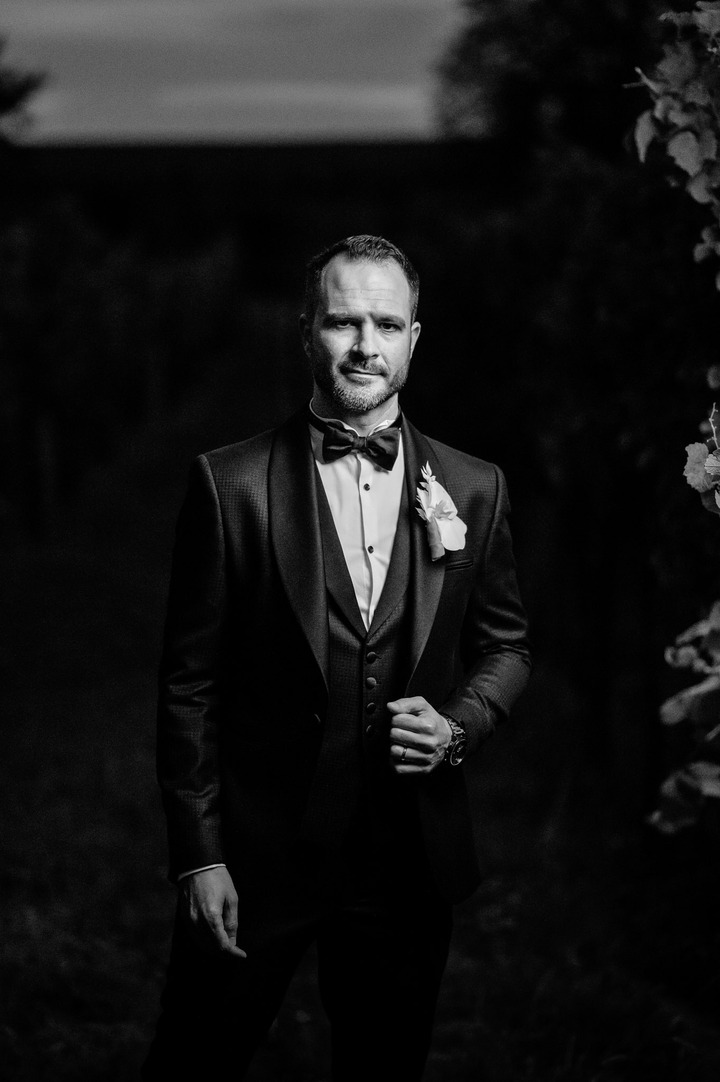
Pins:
<point x="354" y="400"/>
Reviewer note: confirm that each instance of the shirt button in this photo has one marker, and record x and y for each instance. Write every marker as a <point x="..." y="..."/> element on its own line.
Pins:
<point x="370" y="657"/>
<point x="366" y="487"/>
<point x="370" y="548"/>
<point x="370" y="708"/>
<point x="370" y="682"/>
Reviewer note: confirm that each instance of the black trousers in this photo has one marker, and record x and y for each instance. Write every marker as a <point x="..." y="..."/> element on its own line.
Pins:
<point x="382" y="945"/>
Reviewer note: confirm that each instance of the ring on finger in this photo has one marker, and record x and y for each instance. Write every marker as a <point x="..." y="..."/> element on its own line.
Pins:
<point x="404" y="753"/>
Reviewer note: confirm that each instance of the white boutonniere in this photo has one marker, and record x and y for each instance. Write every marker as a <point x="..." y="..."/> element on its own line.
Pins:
<point x="444" y="528"/>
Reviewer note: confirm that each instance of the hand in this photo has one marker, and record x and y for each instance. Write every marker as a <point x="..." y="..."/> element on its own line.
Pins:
<point x="212" y="905"/>
<point x="419" y="736"/>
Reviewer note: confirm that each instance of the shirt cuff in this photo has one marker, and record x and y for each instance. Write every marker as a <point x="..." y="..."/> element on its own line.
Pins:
<point x="205" y="868"/>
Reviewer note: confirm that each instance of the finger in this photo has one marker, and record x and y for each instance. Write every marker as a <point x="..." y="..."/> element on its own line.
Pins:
<point x="230" y="921"/>
<point x="406" y="756"/>
<point x="233" y="949"/>
<point x="420" y="737"/>
<point x="412" y="723"/>
<point x="410" y="768"/>
<point x="221" y="939"/>
<point x="411" y="705"/>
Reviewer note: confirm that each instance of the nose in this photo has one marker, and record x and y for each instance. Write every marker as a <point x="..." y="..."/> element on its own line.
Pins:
<point x="366" y="343"/>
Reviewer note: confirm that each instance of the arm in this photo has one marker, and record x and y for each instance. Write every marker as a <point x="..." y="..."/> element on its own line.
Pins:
<point x="494" y="643"/>
<point x="495" y="655"/>
<point x="190" y="690"/>
<point x="190" y="679"/>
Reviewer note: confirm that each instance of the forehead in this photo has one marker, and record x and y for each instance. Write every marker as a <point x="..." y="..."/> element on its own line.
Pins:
<point x="363" y="282"/>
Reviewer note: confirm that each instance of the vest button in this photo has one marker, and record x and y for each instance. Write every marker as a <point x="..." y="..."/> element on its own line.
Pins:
<point x="369" y="730"/>
<point x="370" y="708"/>
<point x="370" y="657"/>
<point x="370" y="682"/>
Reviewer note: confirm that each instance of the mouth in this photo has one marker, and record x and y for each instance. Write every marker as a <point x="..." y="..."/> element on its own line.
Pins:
<point x="360" y="373"/>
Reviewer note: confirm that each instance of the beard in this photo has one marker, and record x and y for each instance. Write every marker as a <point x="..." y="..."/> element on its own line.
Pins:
<point x="355" y="399"/>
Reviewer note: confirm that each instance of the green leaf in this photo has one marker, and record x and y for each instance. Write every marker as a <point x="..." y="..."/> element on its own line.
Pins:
<point x="710" y="499"/>
<point x="709" y="22"/>
<point x="684" y="149"/>
<point x="707" y="776"/>
<point x="698" y="188"/>
<point x="680" y="117"/>
<point x="664" y="106"/>
<point x="678" y="66"/>
<point x="680" y="803"/>
<point x="696" y="93"/>
<point x="708" y="146"/>
<point x="677" y="18"/>
<point x="645" y="132"/>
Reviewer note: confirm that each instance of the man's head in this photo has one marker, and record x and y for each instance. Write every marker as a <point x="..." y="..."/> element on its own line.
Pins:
<point x="359" y="328"/>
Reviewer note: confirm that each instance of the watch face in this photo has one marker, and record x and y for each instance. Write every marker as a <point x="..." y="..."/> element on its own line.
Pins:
<point x="457" y="752"/>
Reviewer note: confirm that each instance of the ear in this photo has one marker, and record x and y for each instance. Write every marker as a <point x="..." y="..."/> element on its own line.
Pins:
<point x="305" y="333"/>
<point x="414" y="335"/>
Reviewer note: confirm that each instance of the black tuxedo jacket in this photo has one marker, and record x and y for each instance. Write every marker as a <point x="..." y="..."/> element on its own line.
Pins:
<point x="243" y="680"/>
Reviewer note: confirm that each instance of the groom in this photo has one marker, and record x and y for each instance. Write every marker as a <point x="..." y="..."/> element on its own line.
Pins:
<point x="344" y="629"/>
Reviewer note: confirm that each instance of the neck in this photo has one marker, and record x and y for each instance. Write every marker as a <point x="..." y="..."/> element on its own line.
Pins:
<point x="363" y="423"/>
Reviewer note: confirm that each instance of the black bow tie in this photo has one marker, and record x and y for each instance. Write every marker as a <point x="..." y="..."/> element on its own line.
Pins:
<point x="381" y="446"/>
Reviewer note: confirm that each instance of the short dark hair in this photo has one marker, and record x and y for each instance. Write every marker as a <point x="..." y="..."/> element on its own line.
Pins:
<point x="364" y="246"/>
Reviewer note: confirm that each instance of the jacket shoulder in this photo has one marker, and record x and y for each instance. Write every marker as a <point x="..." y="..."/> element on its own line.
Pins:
<point x="459" y="462"/>
<point x="243" y="455"/>
<point x="238" y="470"/>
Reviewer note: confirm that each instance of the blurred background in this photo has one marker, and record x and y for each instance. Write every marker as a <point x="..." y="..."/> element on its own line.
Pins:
<point x="167" y="167"/>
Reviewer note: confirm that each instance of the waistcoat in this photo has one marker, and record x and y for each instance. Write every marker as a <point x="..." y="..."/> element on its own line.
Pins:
<point x="355" y="794"/>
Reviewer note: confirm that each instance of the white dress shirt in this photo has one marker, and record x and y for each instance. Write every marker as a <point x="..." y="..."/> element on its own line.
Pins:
<point x="364" y="500"/>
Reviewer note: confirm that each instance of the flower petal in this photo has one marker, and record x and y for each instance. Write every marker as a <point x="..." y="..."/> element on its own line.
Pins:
<point x="452" y="533"/>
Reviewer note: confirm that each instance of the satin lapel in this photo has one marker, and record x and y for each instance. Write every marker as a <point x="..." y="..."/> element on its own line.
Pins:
<point x="427" y="576"/>
<point x="337" y="576"/>
<point x="398" y="576"/>
<point x="295" y="533"/>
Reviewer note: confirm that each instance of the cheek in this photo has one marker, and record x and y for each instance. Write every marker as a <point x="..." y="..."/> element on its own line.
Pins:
<point x="398" y="354"/>
<point x="331" y="349"/>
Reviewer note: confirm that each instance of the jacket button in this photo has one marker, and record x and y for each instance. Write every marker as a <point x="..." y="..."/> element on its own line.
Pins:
<point x="370" y="708"/>
<point x="370" y="657"/>
<point x="370" y="729"/>
<point x="370" y="682"/>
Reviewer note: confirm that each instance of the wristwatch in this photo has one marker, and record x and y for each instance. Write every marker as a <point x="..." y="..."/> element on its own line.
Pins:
<point x="455" y="751"/>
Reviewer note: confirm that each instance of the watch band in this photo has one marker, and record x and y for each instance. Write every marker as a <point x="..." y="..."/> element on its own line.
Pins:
<point x="455" y="751"/>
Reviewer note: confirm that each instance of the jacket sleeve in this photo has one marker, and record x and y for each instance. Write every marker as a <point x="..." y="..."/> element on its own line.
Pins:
<point x="494" y="643"/>
<point x="190" y="679"/>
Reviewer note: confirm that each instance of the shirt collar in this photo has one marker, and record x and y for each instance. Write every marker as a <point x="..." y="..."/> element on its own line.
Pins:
<point x="376" y="428"/>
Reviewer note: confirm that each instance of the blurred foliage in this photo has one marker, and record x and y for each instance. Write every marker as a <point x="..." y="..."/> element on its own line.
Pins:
<point x="544" y="72"/>
<point x="685" y="88"/>
<point x="684" y="121"/>
<point x="684" y="793"/>
<point x="16" y="88"/>
<point x="608" y="338"/>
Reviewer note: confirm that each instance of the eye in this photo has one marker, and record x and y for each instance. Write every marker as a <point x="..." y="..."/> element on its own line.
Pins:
<point x="388" y="326"/>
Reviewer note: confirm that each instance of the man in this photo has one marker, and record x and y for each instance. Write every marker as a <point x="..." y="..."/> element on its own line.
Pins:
<point x="343" y="628"/>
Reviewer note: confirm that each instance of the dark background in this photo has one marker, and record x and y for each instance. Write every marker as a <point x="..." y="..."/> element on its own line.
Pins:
<point x="149" y="300"/>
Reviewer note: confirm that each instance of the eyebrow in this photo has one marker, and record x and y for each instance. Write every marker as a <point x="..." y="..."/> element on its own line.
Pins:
<point x="379" y="317"/>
